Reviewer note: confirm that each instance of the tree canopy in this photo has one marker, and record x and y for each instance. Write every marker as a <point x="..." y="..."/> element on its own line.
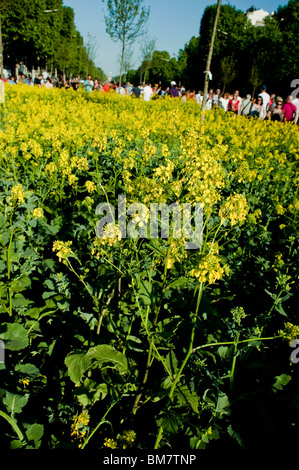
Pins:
<point x="43" y="33"/>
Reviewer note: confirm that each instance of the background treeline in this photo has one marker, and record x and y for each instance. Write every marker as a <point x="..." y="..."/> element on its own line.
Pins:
<point x="245" y="56"/>
<point x="43" y="34"/>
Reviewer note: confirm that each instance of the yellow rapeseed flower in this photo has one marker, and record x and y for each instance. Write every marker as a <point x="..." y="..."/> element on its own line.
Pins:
<point x="17" y="194"/>
<point x="63" y="250"/>
<point x="38" y="213"/>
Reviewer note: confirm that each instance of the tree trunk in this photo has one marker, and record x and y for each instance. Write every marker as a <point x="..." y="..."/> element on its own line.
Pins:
<point x="206" y="83"/>
<point x="122" y="62"/>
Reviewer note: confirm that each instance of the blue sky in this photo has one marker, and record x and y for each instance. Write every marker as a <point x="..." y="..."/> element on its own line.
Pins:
<point x="171" y="23"/>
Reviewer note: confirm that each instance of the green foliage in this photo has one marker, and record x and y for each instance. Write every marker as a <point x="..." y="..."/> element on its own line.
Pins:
<point x="183" y="349"/>
<point x="125" y="21"/>
<point x="239" y="47"/>
<point x="40" y="32"/>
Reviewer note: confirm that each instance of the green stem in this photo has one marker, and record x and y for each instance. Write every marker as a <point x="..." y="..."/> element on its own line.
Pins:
<point x="14" y="425"/>
<point x="232" y="372"/>
<point x="224" y="343"/>
<point x="189" y="352"/>
<point x="98" y="425"/>
<point x="190" y="349"/>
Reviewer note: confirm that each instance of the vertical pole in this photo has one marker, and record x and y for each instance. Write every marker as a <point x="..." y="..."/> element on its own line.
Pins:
<point x="206" y="83"/>
<point x="1" y="50"/>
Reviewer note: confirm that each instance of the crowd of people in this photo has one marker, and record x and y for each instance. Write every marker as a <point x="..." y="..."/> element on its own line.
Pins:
<point x="264" y="106"/>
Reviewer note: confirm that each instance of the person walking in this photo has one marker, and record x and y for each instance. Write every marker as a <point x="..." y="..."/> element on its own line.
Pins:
<point x="289" y="109"/>
<point x="147" y="92"/>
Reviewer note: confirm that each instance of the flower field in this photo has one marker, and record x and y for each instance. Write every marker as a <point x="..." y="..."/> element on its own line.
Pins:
<point x="123" y="342"/>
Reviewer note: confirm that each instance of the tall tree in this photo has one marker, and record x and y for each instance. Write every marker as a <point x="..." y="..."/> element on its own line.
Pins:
<point x="125" y="21"/>
<point x="228" y="70"/>
<point x="147" y="47"/>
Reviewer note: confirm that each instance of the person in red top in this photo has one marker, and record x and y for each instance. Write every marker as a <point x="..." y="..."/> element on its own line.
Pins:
<point x="234" y="104"/>
<point x="289" y="109"/>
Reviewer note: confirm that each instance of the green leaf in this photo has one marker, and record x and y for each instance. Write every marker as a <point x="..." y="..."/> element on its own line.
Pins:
<point x="222" y="351"/>
<point x="14" y="402"/>
<point x="18" y="285"/>
<point x="167" y="327"/>
<point x="170" y="421"/>
<point x="102" y="356"/>
<point x="222" y="404"/>
<point x="91" y="392"/>
<point x="281" y="381"/>
<point x="28" y="369"/>
<point x="34" y="433"/>
<point x="77" y="364"/>
<point x="106" y="355"/>
<point x="15" y="336"/>
<point x="185" y="397"/>
<point x="180" y="283"/>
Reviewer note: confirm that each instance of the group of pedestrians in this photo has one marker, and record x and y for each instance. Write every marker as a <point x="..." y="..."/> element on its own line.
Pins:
<point x="264" y="106"/>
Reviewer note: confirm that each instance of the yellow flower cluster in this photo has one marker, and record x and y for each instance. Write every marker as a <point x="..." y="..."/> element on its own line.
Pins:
<point x="111" y="235"/>
<point x="38" y="213"/>
<point x="90" y="186"/>
<point x="111" y="443"/>
<point x="17" y="194"/>
<point x="209" y="269"/>
<point x="63" y="250"/>
<point x="290" y="331"/>
<point x="235" y="209"/>
<point x="79" y="425"/>
<point x="124" y="440"/>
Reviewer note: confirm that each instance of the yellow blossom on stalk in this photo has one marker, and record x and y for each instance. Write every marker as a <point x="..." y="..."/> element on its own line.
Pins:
<point x="38" y="213"/>
<point x="88" y="201"/>
<point x="235" y="208"/>
<point x="209" y="269"/>
<point x="278" y="262"/>
<point x="290" y="331"/>
<point x="78" y="427"/>
<point x="25" y="382"/>
<point x="82" y="164"/>
<point x="111" y="443"/>
<point x="176" y="251"/>
<point x="72" y="179"/>
<point x="279" y="209"/>
<point x="17" y="194"/>
<point x="51" y="167"/>
<point x="128" y="438"/>
<point x="111" y="235"/>
<point x="63" y="249"/>
<point x="90" y="186"/>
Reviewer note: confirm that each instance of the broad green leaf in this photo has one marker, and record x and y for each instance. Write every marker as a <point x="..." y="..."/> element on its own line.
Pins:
<point x="222" y="403"/>
<point x="185" y="397"/>
<point x="106" y="355"/>
<point x="28" y="369"/>
<point x="16" y="444"/>
<point x="281" y="381"/>
<point x="18" y="285"/>
<point x="14" y="402"/>
<point x="77" y="364"/>
<point x="222" y="351"/>
<point x="170" y="421"/>
<point x="91" y="392"/>
<point x="15" y="336"/>
<point x="34" y="433"/>
<point x="168" y="327"/>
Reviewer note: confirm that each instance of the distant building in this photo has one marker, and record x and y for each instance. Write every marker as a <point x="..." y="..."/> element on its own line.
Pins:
<point x="256" y="16"/>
